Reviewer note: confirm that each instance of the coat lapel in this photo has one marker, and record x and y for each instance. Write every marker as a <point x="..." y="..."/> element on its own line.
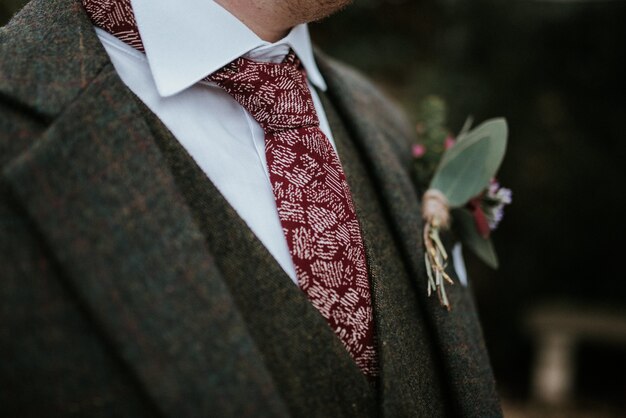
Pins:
<point x="95" y="185"/>
<point x="385" y="147"/>
<point x="410" y="374"/>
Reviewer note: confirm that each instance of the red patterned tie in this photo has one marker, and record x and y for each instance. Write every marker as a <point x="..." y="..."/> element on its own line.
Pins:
<point x="312" y="195"/>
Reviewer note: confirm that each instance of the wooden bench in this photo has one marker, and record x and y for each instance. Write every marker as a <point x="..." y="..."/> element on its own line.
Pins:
<point x="556" y="330"/>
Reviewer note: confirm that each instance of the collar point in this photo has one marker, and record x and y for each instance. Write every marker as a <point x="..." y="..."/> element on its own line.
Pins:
<point x="167" y="88"/>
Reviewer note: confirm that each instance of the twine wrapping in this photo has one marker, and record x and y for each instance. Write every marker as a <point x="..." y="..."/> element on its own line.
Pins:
<point x="435" y="209"/>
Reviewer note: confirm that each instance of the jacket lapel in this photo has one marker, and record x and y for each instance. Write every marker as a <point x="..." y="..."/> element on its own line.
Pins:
<point x="385" y="147"/>
<point x="410" y="374"/>
<point x="96" y="186"/>
<point x="100" y="193"/>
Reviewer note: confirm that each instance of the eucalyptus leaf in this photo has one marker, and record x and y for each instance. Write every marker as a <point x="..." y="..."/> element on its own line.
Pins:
<point x="466" y="168"/>
<point x="466" y="128"/>
<point x="493" y="127"/>
<point x="466" y="229"/>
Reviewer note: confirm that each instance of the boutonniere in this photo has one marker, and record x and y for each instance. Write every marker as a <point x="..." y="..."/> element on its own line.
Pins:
<point x="462" y="194"/>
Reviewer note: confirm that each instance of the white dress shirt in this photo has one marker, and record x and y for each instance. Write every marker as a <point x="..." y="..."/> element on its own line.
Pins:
<point x="185" y="42"/>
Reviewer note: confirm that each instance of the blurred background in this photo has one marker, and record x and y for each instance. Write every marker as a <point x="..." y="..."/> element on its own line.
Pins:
<point x="554" y="314"/>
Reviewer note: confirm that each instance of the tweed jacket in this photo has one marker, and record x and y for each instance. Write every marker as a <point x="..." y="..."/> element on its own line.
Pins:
<point x="111" y="302"/>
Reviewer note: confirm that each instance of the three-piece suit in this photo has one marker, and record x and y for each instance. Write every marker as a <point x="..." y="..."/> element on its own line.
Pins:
<point x="130" y="287"/>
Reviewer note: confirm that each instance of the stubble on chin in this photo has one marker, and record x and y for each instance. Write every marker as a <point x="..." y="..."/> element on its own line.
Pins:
<point x="305" y="11"/>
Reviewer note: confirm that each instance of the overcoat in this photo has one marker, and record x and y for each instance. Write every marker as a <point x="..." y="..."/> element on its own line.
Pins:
<point x="129" y="286"/>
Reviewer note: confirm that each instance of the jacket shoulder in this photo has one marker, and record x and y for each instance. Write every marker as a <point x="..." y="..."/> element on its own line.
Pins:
<point x="19" y="120"/>
<point x="369" y="104"/>
<point x="49" y="53"/>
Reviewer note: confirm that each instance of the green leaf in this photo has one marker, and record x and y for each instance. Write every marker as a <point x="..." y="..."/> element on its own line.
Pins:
<point x="464" y="226"/>
<point x="465" y="128"/>
<point x="466" y="168"/>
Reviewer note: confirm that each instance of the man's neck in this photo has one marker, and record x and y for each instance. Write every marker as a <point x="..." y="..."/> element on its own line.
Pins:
<point x="263" y="17"/>
<point x="271" y="20"/>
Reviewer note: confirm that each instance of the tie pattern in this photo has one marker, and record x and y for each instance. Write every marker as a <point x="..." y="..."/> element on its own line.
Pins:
<point x="115" y="17"/>
<point x="312" y="195"/>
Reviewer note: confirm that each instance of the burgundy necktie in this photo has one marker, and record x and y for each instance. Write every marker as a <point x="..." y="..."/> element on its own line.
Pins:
<point x="312" y="195"/>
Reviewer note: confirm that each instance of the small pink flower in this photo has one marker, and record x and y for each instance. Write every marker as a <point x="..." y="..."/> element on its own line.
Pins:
<point x="449" y="142"/>
<point x="418" y="150"/>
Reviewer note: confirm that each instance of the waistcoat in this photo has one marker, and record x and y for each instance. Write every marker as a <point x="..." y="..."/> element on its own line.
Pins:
<point x="309" y="365"/>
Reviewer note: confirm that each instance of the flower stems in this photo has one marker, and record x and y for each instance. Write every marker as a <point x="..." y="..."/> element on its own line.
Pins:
<point x="436" y="260"/>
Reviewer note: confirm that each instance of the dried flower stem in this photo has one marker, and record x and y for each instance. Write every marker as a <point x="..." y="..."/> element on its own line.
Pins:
<point x="436" y="214"/>
<point x="436" y="259"/>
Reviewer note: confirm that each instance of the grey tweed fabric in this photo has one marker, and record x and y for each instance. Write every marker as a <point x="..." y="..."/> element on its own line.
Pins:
<point x="123" y="291"/>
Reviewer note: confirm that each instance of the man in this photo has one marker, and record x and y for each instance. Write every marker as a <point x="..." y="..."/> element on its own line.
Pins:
<point x="177" y="232"/>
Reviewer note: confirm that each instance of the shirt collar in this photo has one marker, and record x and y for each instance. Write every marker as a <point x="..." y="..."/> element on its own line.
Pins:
<point x="186" y="41"/>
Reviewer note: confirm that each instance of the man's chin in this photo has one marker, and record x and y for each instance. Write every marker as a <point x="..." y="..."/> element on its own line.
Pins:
<point x="316" y="10"/>
<point x="339" y="6"/>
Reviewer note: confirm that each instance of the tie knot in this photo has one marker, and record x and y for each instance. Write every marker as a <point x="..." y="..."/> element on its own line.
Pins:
<point x="276" y="95"/>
